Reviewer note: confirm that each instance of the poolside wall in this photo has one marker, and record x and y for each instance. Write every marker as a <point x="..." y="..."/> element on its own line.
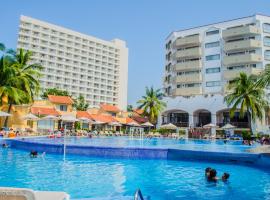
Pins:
<point x="258" y="160"/>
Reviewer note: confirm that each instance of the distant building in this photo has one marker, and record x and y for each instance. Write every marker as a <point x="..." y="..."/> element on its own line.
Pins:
<point x="201" y="61"/>
<point x="78" y="63"/>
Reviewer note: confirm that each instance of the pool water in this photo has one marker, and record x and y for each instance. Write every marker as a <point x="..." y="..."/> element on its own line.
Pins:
<point x="88" y="177"/>
<point x="201" y="145"/>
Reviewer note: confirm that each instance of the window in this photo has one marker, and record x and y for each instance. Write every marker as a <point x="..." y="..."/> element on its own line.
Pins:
<point x="267" y="55"/>
<point x="266" y="28"/>
<point x="212" y="83"/>
<point x="212" y="44"/>
<point x="212" y="32"/>
<point x="213" y="70"/>
<point x="212" y="57"/>
<point x="62" y="107"/>
<point x="266" y="41"/>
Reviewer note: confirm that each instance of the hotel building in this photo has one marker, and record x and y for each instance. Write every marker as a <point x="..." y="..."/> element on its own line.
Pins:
<point x="201" y="61"/>
<point x="79" y="63"/>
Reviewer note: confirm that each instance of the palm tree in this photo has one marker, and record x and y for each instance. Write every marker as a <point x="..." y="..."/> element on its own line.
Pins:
<point x="264" y="78"/>
<point x="152" y="104"/>
<point x="19" y="80"/>
<point x="247" y="96"/>
<point x="80" y="104"/>
<point x="54" y="91"/>
<point x="129" y="108"/>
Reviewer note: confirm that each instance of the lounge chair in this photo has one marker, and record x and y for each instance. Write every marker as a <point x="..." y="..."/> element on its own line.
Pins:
<point x="7" y="193"/>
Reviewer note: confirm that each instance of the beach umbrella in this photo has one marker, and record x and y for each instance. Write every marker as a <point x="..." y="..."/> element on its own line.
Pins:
<point x="68" y="118"/>
<point x="210" y="126"/>
<point x="115" y="124"/>
<point x="133" y="124"/>
<point x="228" y="126"/>
<point x="169" y="126"/>
<point x="147" y="124"/>
<point x="30" y="116"/>
<point x="50" y="117"/>
<point x="4" y="114"/>
<point x="84" y="119"/>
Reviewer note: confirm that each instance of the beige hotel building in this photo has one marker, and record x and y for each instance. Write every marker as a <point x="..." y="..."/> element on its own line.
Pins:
<point x="76" y="62"/>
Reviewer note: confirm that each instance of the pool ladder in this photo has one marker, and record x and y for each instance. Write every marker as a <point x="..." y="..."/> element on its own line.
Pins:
<point x="138" y="195"/>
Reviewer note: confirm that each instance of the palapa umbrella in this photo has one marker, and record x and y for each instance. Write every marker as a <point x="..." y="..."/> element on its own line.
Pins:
<point x="133" y="124"/>
<point x="147" y="124"/>
<point x="228" y="126"/>
<point x="115" y="124"/>
<point x="169" y="126"/>
<point x="210" y="126"/>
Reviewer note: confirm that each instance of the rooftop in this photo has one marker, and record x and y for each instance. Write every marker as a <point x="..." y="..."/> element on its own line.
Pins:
<point x="60" y="99"/>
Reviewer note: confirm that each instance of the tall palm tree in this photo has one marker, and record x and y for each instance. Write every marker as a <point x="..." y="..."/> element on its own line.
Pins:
<point x="248" y="97"/>
<point x="264" y="77"/>
<point x="152" y="104"/>
<point x="20" y="83"/>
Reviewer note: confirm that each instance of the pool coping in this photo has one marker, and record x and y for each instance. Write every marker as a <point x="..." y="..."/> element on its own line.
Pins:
<point x="261" y="160"/>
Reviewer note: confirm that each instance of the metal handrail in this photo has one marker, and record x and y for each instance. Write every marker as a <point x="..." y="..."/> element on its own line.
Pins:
<point x="138" y="195"/>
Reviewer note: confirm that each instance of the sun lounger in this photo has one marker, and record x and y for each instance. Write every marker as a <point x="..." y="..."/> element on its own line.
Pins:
<point x="7" y="193"/>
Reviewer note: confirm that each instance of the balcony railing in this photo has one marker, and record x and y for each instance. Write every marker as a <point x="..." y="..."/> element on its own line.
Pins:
<point x="243" y="44"/>
<point x="188" y="53"/>
<point x="242" y="30"/>
<point x="242" y="59"/>
<point x="188" y="40"/>
<point x="197" y="64"/>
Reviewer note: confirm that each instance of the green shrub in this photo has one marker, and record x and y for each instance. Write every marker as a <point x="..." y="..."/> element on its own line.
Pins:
<point x="246" y="135"/>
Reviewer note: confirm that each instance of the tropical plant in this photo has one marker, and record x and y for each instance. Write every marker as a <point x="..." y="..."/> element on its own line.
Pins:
<point x="247" y="97"/>
<point x="129" y="108"/>
<point x="264" y="77"/>
<point x="152" y="104"/>
<point x="80" y="103"/>
<point x="54" y="91"/>
<point x="19" y="80"/>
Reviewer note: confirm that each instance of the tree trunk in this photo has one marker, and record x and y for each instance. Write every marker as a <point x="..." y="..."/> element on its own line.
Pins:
<point x="6" y="120"/>
<point x="250" y="122"/>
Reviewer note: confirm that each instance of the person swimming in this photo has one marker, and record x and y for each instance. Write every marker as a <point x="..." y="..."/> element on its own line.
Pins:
<point x="212" y="175"/>
<point x="33" y="154"/>
<point x="225" y="176"/>
<point x="4" y="145"/>
<point x="207" y="171"/>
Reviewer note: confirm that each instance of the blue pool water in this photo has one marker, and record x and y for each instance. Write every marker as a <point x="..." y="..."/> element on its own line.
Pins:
<point x="86" y="177"/>
<point x="201" y="145"/>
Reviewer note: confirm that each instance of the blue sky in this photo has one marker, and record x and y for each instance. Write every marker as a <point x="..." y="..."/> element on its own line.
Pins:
<point x="144" y="24"/>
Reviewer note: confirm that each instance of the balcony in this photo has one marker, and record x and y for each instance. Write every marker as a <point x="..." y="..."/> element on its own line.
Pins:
<point x="242" y="59"/>
<point x="231" y="74"/>
<point x="188" y="53"/>
<point x="189" y="78"/>
<point x="243" y="44"/>
<point x="187" y="91"/>
<point x="239" y="31"/>
<point x="196" y="64"/>
<point x="187" y="41"/>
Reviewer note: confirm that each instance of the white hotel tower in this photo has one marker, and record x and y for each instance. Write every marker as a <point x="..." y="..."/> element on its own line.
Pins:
<point x="78" y="63"/>
<point x="201" y="61"/>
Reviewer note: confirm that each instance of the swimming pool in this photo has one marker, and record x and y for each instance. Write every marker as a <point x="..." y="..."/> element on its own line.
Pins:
<point x="99" y="178"/>
<point x="197" y="145"/>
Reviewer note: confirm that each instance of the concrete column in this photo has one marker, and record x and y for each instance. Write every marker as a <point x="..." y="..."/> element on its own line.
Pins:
<point x="191" y="120"/>
<point x="213" y="121"/>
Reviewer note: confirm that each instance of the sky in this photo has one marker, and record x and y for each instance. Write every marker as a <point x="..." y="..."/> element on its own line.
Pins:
<point x="143" y="24"/>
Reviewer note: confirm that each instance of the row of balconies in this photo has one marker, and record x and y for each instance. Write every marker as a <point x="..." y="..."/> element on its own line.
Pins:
<point x="189" y="78"/>
<point x="187" y="91"/>
<point x="228" y="33"/>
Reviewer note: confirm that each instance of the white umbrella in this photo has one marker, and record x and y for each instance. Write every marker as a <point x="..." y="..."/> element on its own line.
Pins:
<point x="50" y="117"/>
<point x="115" y="124"/>
<point x="169" y="126"/>
<point x="228" y="126"/>
<point x="210" y="126"/>
<point x="4" y="114"/>
<point x="98" y="122"/>
<point x="133" y="124"/>
<point x="147" y="124"/>
<point x="84" y="119"/>
<point x="30" y="116"/>
<point x="68" y="118"/>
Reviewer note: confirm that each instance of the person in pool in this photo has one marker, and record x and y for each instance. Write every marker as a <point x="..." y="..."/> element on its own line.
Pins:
<point x="212" y="175"/>
<point x="225" y="176"/>
<point x="207" y="171"/>
<point x="33" y="154"/>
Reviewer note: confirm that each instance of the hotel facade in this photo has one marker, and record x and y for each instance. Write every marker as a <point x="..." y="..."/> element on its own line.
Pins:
<point x="79" y="63"/>
<point x="201" y="61"/>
